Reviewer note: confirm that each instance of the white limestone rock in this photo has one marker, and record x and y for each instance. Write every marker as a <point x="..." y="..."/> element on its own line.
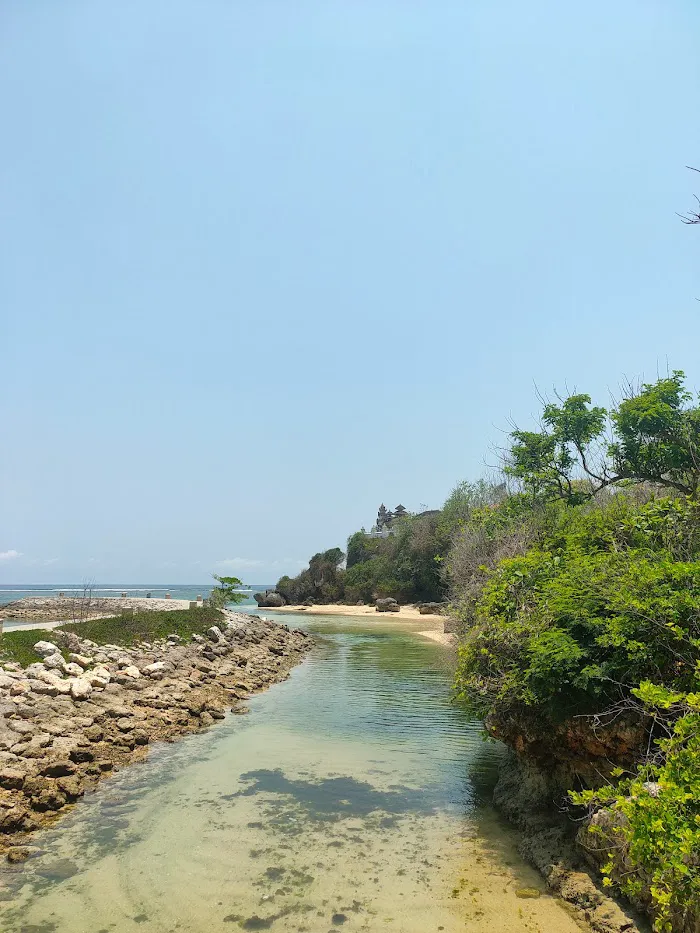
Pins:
<point x="82" y="659"/>
<point x="98" y="677"/>
<point x="80" y="688"/>
<point x="46" y="648"/>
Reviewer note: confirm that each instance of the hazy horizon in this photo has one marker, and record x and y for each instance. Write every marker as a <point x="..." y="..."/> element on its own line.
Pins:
<point x="265" y="266"/>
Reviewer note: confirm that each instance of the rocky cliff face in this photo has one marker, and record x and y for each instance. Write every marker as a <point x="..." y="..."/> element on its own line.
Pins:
<point x="545" y="761"/>
<point x="573" y="753"/>
<point x="526" y="795"/>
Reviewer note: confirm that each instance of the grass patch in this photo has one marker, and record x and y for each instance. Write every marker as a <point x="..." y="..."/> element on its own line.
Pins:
<point x="19" y="646"/>
<point x="146" y="626"/>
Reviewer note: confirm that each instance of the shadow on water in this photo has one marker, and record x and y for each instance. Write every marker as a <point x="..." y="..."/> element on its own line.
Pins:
<point x="336" y="797"/>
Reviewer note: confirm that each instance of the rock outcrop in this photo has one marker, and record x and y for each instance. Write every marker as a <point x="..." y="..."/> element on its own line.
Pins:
<point x="546" y="760"/>
<point x="578" y="752"/>
<point x="426" y="609"/>
<point x="60" y="734"/>
<point x="524" y="795"/>
<point x="387" y="605"/>
<point x="270" y="599"/>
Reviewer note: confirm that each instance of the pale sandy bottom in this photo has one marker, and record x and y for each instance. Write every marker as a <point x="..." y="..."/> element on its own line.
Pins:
<point x="189" y="856"/>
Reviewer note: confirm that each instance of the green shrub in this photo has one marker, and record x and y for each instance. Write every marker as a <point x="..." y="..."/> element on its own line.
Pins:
<point x="585" y="617"/>
<point x="654" y="846"/>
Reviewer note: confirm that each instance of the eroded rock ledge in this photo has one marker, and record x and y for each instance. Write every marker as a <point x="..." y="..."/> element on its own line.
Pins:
<point x="531" y="793"/>
<point x="60" y="734"/>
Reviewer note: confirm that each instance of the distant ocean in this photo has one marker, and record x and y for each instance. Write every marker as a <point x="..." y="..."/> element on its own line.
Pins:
<point x="8" y="592"/>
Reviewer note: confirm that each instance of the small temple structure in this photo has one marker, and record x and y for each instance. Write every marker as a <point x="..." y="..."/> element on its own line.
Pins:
<point x="386" y="521"/>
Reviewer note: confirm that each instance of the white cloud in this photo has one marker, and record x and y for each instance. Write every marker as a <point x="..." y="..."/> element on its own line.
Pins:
<point x="9" y="555"/>
<point x="238" y="563"/>
<point x="52" y="560"/>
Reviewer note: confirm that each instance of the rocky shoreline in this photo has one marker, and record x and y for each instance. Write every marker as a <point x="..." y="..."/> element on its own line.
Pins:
<point x="525" y="796"/>
<point x="66" y="724"/>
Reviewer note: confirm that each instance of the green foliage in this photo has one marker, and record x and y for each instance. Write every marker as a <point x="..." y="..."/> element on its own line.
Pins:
<point x="600" y="604"/>
<point x="375" y="578"/>
<point x="653" y="848"/>
<point x="492" y="534"/>
<point x="408" y="564"/>
<point x="144" y="626"/>
<point x="461" y="503"/>
<point x="323" y="581"/>
<point x="656" y="439"/>
<point x="361" y="547"/>
<point x="579" y="598"/>
<point x="658" y="436"/>
<point x="228" y="591"/>
<point x="18" y="646"/>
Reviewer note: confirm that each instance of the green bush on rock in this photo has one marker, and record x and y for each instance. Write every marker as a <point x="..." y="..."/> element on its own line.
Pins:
<point x="650" y="831"/>
<point x="580" y="620"/>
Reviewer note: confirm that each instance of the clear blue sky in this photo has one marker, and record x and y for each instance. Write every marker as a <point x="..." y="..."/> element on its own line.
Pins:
<point x="264" y="265"/>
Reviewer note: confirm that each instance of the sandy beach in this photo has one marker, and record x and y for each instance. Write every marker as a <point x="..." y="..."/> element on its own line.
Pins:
<point x="337" y="609"/>
<point x="434" y="624"/>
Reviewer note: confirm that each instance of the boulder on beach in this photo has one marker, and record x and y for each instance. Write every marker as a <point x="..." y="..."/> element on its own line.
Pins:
<point x="270" y="599"/>
<point x="388" y="604"/>
<point x="426" y="609"/>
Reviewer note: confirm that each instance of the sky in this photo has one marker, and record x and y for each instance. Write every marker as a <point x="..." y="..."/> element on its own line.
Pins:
<point x="265" y="265"/>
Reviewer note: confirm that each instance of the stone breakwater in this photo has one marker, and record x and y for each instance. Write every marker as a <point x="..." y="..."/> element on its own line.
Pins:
<point x="64" y="608"/>
<point x="67" y="724"/>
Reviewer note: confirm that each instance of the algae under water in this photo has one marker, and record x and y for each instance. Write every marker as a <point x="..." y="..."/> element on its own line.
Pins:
<point x="354" y="795"/>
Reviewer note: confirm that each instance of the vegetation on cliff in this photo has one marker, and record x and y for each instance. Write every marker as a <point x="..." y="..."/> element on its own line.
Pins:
<point x="408" y="565"/>
<point x="579" y="598"/>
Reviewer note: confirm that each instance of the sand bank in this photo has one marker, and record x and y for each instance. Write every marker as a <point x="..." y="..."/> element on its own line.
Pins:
<point x="443" y="638"/>
<point x="336" y="609"/>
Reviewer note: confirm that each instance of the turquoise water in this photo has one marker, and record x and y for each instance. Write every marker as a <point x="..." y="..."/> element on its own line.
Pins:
<point x="354" y="795"/>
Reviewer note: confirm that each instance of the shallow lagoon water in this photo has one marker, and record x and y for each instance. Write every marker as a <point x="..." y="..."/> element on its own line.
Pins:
<point x="353" y="796"/>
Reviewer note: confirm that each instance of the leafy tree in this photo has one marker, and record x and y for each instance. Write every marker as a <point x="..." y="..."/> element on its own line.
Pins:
<point x="461" y="502"/>
<point x="228" y="591"/>
<point x="602" y="603"/>
<point x="655" y="439"/>
<point x="362" y="547"/>
<point x="322" y="580"/>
